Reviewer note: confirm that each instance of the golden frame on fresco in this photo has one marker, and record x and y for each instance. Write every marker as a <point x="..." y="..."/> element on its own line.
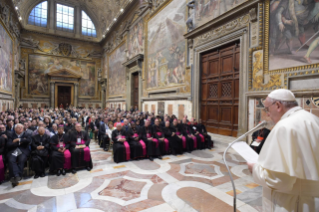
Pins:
<point x="13" y="45"/>
<point x="25" y="55"/>
<point x="266" y="48"/>
<point x="147" y="18"/>
<point x="108" y="71"/>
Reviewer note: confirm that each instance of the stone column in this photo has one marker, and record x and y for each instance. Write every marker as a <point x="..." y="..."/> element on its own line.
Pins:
<point x="52" y="93"/>
<point x="76" y="86"/>
<point x="77" y="20"/>
<point x="17" y="91"/>
<point x="51" y="24"/>
<point x="140" y="90"/>
<point x="128" y="89"/>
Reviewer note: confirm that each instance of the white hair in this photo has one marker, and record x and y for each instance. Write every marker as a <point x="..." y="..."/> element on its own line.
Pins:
<point x="18" y="125"/>
<point x="286" y="104"/>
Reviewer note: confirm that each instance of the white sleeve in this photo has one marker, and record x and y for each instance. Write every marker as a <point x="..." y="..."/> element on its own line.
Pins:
<point x="273" y="180"/>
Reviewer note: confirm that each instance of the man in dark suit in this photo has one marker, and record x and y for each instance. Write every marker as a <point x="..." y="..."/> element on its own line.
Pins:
<point x="9" y="127"/>
<point x="17" y="153"/>
<point x="40" y="152"/>
<point x="105" y="140"/>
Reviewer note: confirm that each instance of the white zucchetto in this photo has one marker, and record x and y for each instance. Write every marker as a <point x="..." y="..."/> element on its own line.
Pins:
<point x="282" y="94"/>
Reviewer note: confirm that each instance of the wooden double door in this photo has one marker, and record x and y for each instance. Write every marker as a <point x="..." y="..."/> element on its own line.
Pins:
<point x="64" y="96"/>
<point x="220" y="89"/>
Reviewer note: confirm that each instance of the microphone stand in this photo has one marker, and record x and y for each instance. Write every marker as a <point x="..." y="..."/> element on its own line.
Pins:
<point x="259" y="126"/>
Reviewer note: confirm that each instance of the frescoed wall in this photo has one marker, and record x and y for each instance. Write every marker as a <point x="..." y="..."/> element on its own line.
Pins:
<point x="105" y="65"/>
<point x="116" y="75"/>
<point x="6" y="61"/>
<point x="293" y="34"/>
<point x="207" y="10"/>
<point x="165" y="63"/>
<point x="39" y="66"/>
<point x="136" y="40"/>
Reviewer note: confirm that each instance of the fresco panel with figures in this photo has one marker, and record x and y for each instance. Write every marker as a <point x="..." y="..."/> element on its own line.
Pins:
<point x="40" y="66"/>
<point x="207" y="10"/>
<point x="293" y="33"/>
<point x="116" y="82"/>
<point x="166" y="47"/>
<point x="6" y="61"/>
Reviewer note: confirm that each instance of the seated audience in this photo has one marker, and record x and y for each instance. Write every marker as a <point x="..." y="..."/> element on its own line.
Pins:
<point x="175" y="142"/>
<point x="152" y="144"/>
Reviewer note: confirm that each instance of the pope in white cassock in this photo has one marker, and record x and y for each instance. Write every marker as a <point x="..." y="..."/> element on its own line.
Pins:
<point x="288" y="164"/>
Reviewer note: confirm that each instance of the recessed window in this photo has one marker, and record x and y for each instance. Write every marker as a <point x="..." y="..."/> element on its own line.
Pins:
<point x="39" y="15"/>
<point x="88" y="27"/>
<point x="65" y="18"/>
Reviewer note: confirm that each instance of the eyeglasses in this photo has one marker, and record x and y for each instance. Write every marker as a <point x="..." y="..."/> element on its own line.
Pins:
<point x="266" y="109"/>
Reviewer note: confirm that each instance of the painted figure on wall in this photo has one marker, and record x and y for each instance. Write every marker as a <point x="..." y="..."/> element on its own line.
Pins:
<point x="294" y="33"/>
<point x="207" y="10"/>
<point x="6" y="60"/>
<point x="40" y="65"/>
<point x="136" y="40"/>
<point x="166" y="47"/>
<point x="116" y="79"/>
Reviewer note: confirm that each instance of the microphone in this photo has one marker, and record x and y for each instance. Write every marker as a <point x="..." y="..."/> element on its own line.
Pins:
<point x="261" y="125"/>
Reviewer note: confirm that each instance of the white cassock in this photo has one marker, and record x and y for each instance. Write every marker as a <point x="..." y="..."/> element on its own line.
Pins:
<point x="288" y="164"/>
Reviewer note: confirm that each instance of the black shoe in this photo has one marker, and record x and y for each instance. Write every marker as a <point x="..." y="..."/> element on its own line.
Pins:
<point x="88" y="168"/>
<point x="105" y="149"/>
<point x="73" y="171"/>
<point x="160" y="157"/>
<point x="151" y="158"/>
<point x="36" y="176"/>
<point x="59" y="173"/>
<point x="42" y="175"/>
<point x="13" y="180"/>
<point x="189" y="151"/>
<point x="63" y="172"/>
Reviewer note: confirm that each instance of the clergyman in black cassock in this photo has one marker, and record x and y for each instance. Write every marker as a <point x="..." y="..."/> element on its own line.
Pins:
<point x="152" y="144"/>
<point x="201" y="144"/>
<point x="79" y="148"/>
<point x="60" y="154"/>
<point x="190" y="140"/>
<point x="17" y="153"/>
<point x="202" y="129"/>
<point x="40" y="152"/>
<point x="121" y="148"/>
<point x="138" y="146"/>
<point x="159" y="135"/>
<point x="175" y="142"/>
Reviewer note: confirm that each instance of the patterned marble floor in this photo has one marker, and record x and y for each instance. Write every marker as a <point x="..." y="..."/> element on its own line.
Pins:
<point x="196" y="181"/>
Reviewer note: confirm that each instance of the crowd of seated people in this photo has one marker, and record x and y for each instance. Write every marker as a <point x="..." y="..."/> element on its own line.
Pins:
<point x="59" y="139"/>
